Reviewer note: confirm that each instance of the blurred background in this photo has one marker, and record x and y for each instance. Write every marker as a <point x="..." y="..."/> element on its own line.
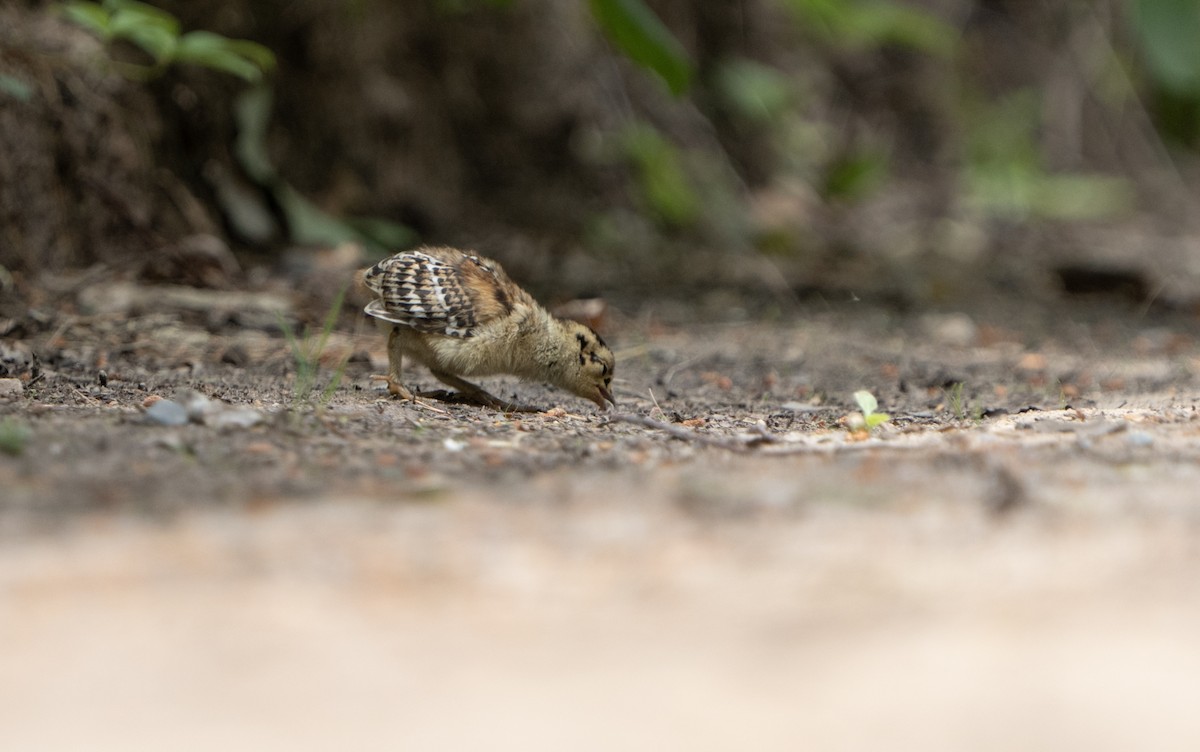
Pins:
<point x="925" y="152"/>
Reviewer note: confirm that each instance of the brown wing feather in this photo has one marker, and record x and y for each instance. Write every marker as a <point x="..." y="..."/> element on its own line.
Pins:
<point x="489" y="286"/>
<point x="438" y="290"/>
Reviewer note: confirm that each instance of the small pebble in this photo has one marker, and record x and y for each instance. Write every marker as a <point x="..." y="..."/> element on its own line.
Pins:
<point x="199" y="407"/>
<point x="235" y="417"/>
<point x="11" y="388"/>
<point x="166" y="412"/>
<point x="1139" y="439"/>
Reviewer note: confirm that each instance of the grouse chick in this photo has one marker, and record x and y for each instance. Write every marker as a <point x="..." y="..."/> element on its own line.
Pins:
<point x="460" y="315"/>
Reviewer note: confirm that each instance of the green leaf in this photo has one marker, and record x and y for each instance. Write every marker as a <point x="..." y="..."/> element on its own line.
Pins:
<point x="866" y="402"/>
<point x="638" y="33"/>
<point x="132" y="17"/>
<point x="90" y="16"/>
<point x="154" y="30"/>
<point x="1169" y="32"/>
<point x="876" y="419"/>
<point x="149" y="13"/>
<point x="256" y="53"/>
<point x="215" y="51"/>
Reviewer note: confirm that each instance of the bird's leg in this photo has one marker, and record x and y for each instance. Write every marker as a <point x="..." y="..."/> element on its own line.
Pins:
<point x="395" y="359"/>
<point x="468" y="392"/>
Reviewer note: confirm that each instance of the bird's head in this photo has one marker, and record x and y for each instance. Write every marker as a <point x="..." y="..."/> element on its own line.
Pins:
<point x="588" y="370"/>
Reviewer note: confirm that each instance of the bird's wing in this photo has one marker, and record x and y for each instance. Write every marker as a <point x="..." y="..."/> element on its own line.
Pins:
<point x="439" y="292"/>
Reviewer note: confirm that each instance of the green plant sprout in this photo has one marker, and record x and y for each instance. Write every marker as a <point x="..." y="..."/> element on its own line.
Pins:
<point x="869" y="405"/>
<point x="955" y="401"/>
<point x="959" y="406"/>
<point x="158" y="34"/>
<point x="306" y="351"/>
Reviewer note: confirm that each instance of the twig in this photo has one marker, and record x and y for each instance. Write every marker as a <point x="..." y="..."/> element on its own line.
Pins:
<point x="655" y="401"/>
<point x="418" y="400"/>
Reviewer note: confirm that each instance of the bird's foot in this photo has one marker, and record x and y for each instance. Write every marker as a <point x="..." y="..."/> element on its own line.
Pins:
<point x="395" y="388"/>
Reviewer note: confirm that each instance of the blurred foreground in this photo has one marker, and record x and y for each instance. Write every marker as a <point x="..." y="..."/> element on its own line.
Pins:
<point x="855" y="604"/>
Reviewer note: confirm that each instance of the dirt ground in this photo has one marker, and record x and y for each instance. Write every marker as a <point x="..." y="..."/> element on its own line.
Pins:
<point x="723" y="564"/>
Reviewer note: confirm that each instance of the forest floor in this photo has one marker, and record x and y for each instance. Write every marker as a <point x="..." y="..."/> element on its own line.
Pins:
<point x="201" y="553"/>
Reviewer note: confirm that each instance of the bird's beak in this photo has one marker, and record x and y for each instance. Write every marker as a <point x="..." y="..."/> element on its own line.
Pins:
<point x="604" y="395"/>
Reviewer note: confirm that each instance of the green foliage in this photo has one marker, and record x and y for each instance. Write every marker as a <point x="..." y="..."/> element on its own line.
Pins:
<point x="868" y="405"/>
<point x="307" y="351"/>
<point x="961" y="407"/>
<point x="766" y="96"/>
<point x="858" y="24"/>
<point x="157" y="33"/>
<point x="638" y="33"/>
<point x="1017" y="190"/>
<point x="664" y="183"/>
<point x="1168" y="32"/>
<point x="955" y="400"/>
<point x="856" y="175"/>
<point x="307" y="223"/>
<point x="1004" y="171"/>
<point x="244" y="59"/>
<point x="14" y="436"/>
<point x="1168" y="35"/>
<point x="756" y="92"/>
